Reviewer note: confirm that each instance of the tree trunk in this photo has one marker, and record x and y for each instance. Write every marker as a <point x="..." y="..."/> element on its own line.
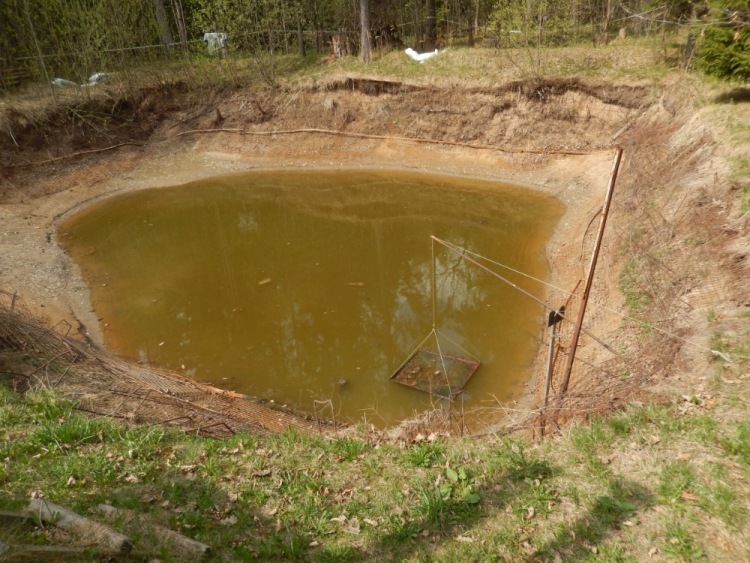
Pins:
<point x="605" y="22"/>
<point x="300" y="37"/>
<point x="179" y="17"/>
<point x="38" y="49"/>
<point x="161" y="20"/>
<point x="431" y="33"/>
<point x="364" y="18"/>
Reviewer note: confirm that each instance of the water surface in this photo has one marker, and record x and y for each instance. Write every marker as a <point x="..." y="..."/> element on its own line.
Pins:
<point x="304" y="286"/>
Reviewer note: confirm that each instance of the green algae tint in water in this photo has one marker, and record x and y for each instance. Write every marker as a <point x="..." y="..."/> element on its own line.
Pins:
<point x="284" y="285"/>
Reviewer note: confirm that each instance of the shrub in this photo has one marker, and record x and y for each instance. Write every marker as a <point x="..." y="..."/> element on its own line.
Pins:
<point x="724" y="50"/>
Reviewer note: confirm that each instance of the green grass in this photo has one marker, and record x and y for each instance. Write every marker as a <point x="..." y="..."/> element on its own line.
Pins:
<point x="739" y="132"/>
<point x="737" y="444"/>
<point x="680" y="544"/>
<point x="347" y="449"/>
<point x="735" y="347"/>
<point x="740" y="166"/>
<point x="745" y="198"/>
<point x="635" y="60"/>
<point x="676" y="478"/>
<point x="721" y="500"/>
<point x="425" y="454"/>
<point x="637" y="298"/>
<point x="649" y="477"/>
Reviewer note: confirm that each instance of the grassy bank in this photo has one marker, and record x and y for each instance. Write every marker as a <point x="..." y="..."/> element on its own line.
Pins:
<point x="656" y="481"/>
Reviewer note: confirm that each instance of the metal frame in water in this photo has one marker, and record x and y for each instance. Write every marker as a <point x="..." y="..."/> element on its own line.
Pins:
<point x="438" y="374"/>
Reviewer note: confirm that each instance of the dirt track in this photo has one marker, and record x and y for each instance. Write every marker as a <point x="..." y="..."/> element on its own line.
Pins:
<point x="480" y="132"/>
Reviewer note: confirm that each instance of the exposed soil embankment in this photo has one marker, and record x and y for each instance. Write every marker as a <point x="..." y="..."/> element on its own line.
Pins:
<point x="523" y="115"/>
<point x="554" y="135"/>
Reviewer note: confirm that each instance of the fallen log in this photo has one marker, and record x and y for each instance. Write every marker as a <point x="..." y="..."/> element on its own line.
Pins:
<point x="9" y="518"/>
<point x="183" y="546"/>
<point x="90" y="531"/>
<point x="41" y="552"/>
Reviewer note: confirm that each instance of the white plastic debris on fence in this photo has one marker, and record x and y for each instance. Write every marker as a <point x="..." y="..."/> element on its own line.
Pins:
<point x="420" y="57"/>
<point x="96" y="78"/>
<point x="93" y="80"/>
<point x="215" y="41"/>
<point x="62" y="83"/>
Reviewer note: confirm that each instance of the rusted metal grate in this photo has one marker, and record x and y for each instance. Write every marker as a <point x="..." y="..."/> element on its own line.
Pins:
<point x="438" y="374"/>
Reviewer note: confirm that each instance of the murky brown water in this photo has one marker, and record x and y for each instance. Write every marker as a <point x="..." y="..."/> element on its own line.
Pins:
<point x="279" y="285"/>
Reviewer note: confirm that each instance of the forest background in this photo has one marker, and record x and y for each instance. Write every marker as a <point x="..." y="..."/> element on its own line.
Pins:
<point x="41" y="40"/>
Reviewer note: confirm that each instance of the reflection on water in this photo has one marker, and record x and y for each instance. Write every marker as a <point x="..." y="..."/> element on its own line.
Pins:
<point x="297" y="286"/>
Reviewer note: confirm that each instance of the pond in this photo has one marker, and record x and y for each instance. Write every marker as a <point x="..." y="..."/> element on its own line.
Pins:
<point x="308" y="286"/>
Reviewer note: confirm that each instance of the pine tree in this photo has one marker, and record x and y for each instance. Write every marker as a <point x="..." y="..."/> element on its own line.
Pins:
<point x="724" y="50"/>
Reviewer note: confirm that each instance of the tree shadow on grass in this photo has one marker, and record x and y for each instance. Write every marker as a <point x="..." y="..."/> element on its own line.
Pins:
<point x="432" y="521"/>
<point x="452" y="524"/>
<point x="576" y="540"/>
<point x="737" y="95"/>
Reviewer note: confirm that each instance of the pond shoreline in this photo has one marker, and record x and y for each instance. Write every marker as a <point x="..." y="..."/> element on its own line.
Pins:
<point x="36" y="220"/>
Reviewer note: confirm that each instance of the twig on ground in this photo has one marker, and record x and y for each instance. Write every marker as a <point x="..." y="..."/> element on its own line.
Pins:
<point x="71" y="155"/>
<point x="386" y="138"/>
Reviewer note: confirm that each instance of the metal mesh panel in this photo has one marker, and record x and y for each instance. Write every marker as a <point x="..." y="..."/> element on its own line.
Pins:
<point x="434" y="373"/>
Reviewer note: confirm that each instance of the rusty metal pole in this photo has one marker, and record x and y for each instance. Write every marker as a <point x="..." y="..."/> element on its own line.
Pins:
<point x="592" y="268"/>
<point x="550" y="362"/>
